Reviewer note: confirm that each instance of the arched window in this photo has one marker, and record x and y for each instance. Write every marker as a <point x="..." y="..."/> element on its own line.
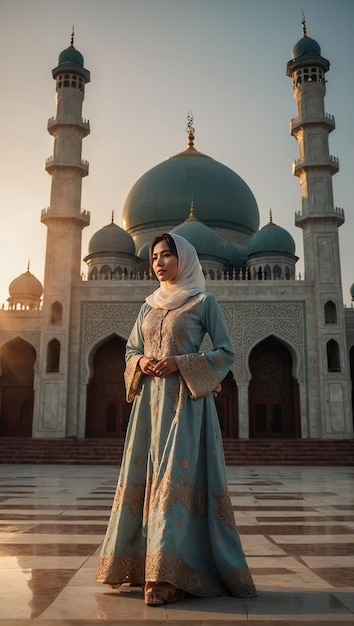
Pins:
<point x="267" y="273"/>
<point x="105" y="272"/>
<point x="330" y="312"/>
<point x="333" y="360"/>
<point x="94" y="274"/>
<point x="277" y="272"/>
<point x="56" y="313"/>
<point x="53" y="355"/>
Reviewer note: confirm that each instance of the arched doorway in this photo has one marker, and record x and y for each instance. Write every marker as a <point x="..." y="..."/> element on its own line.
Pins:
<point x="227" y="407"/>
<point x="107" y="412"/>
<point x="16" y="388"/>
<point x="273" y="392"/>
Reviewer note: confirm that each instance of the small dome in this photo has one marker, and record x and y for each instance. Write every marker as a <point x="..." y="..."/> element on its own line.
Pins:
<point x="306" y="50"/>
<point x="352" y="291"/>
<point x="111" y="239"/>
<point x="25" y="286"/>
<point x="206" y="242"/>
<point x="306" y="47"/>
<point x="271" y="240"/>
<point x="71" y="57"/>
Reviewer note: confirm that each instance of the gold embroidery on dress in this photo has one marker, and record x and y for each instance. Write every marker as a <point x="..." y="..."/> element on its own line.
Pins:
<point x="223" y="508"/>
<point x="200" y="503"/>
<point x="198" y="374"/>
<point x="133" y="498"/>
<point x="158" y="565"/>
<point x="132" y="377"/>
<point x="165" y="493"/>
<point x="240" y="583"/>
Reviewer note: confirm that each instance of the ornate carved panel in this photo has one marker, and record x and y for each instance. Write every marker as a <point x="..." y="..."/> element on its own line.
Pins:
<point x="33" y="337"/>
<point x="248" y="324"/>
<point x="251" y="322"/>
<point x="99" y="320"/>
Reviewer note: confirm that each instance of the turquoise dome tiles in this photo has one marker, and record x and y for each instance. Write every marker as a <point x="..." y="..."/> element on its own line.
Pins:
<point x="161" y="197"/>
<point x="111" y="239"/>
<point x="271" y="239"/>
<point x="71" y="57"/>
<point x="306" y="47"/>
<point x="206" y="242"/>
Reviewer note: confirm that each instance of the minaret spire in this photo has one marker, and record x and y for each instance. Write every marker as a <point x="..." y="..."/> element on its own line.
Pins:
<point x="303" y="22"/>
<point x="190" y="130"/>
<point x="72" y="37"/>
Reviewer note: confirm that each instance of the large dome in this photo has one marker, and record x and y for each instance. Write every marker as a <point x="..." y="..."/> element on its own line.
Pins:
<point x="161" y="198"/>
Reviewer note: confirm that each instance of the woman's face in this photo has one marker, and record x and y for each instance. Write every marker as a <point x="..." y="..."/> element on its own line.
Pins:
<point x="164" y="263"/>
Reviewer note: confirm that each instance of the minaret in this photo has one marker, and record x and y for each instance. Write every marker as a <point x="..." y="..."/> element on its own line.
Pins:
<point x="64" y="220"/>
<point x="320" y="220"/>
<point x="315" y="166"/>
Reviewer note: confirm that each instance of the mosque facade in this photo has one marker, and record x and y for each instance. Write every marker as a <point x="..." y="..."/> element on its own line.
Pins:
<point x="62" y="344"/>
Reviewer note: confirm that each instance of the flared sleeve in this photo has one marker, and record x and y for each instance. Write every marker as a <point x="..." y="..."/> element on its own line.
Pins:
<point x="134" y="351"/>
<point x="203" y="372"/>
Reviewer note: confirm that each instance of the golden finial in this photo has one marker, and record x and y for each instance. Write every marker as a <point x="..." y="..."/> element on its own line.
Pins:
<point x="72" y="37"/>
<point x="190" y="130"/>
<point x="303" y="22"/>
<point x="191" y="211"/>
<point x="28" y="265"/>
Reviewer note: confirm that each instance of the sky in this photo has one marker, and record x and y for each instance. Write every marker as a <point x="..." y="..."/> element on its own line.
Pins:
<point x="151" y="63"/>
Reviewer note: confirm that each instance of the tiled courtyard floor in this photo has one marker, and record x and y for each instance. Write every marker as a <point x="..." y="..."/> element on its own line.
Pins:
<point x="296" y="526"/>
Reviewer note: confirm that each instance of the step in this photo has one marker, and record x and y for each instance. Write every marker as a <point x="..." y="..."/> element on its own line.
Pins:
<point x="237" y="452"/>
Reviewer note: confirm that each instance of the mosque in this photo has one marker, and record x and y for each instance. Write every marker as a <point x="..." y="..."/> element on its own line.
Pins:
<point x="62" y="343"/>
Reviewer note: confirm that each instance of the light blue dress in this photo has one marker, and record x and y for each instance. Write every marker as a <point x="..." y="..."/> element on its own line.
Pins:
<point x="172" y="518"/>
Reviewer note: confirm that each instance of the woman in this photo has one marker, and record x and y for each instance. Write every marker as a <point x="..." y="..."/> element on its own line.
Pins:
<point x="172" y="528"/>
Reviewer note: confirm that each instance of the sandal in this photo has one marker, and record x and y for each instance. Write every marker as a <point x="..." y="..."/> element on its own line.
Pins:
<point x="157" y="594"/>
<point x="153" y="599"/>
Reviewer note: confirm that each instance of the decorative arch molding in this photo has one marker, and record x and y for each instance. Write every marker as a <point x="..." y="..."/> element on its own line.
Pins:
<point x="93" y="349"/>
<point x="31" y="337"/>
<point x="296" y="358"/>
<point x="252" y="322"/>
<point x="99" y="321"/>
<point x="247" y="323"/>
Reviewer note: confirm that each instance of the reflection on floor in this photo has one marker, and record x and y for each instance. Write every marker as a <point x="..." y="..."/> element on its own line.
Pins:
<point x="296" y="526"/>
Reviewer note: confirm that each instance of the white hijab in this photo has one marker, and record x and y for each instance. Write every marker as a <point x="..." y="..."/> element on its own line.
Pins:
<point x="188" y="282"/>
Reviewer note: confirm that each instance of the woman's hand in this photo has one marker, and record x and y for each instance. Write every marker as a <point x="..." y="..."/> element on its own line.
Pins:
<point x="165" y="366"/>
<point x="147" y="365"/>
